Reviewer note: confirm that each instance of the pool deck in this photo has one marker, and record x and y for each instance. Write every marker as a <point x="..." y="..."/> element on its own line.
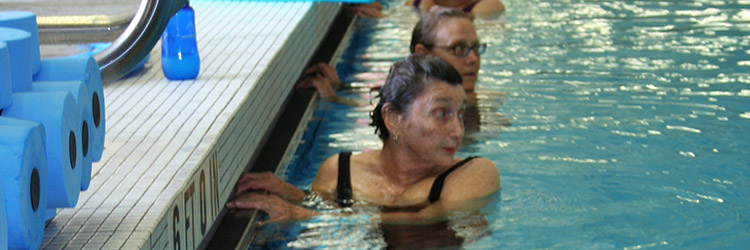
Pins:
<point x="174" y="149"/>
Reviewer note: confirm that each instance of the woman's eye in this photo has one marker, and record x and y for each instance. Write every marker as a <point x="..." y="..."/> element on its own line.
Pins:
<point x="463" y="50"/>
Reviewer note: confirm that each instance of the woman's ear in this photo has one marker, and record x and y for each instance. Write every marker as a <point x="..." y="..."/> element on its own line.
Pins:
<point x="391" y="117"/>
<point x="420" y="48"/>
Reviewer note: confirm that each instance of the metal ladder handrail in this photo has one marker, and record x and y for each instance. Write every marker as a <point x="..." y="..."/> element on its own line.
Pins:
<point x="82" y="28"/>
<point x="136" y="42"/>
<point x="132" y="45"/>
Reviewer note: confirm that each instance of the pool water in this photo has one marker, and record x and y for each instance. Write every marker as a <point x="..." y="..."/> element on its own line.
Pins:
<point x="614" y="125"/>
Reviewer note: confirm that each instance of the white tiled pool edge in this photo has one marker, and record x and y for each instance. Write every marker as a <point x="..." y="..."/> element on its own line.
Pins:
<point x="175" y="148"/>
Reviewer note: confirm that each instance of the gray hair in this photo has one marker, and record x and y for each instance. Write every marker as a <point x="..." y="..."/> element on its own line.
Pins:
<point x="424" y="31"/>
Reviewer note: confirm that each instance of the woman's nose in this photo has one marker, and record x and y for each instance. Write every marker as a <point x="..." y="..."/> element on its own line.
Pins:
<point x="456" y="129"/>
<point x="472" y="57"/>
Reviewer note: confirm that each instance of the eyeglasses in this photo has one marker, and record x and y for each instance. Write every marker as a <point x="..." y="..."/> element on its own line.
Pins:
<point x="462" y="50"/>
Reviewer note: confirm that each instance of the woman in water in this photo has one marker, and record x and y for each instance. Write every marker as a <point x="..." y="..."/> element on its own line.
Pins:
<point x="443" y="32"/>
<point x="475" y="7"/>
<point x="419" y="120"/>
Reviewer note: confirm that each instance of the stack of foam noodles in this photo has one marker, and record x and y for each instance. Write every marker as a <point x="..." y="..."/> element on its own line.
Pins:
<point x="51" y="130"/>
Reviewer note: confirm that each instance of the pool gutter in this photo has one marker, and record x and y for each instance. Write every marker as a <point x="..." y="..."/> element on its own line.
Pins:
<point x="235" y="229"/>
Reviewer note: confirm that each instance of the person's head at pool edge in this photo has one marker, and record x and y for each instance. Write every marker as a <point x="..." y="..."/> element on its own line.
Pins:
<point x="450" y="35"/>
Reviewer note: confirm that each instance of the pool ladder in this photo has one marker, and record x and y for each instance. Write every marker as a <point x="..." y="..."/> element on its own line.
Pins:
<point x="141" y="33"/>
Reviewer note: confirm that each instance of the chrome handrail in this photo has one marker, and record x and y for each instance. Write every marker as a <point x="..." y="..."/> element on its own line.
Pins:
<point x="81" y="28"/>
<point x="136" y="42"/>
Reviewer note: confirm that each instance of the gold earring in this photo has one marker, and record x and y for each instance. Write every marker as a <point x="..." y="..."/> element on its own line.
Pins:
<point x="395" y="138"/>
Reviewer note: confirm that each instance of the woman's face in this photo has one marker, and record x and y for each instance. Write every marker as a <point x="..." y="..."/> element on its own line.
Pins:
<point x="433" y="124"/>
<point x="458" y="31"/>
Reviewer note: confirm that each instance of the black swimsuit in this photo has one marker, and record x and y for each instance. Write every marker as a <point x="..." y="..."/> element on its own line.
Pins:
<point x="344" y="185"/>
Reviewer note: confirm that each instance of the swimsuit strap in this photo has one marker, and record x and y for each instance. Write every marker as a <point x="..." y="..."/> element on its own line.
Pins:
<point x="437" y="186"/>
<point x="468" y="8"/>
<point x="344" y="185"/>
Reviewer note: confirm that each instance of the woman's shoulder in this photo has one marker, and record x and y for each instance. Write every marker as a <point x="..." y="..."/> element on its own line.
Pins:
<point x="477" y="178"/>
<point x="481" y="165"/>
<point x="421" y="4"/>
<point x="330" y="163"/>
<point x="488" y="7"/>
<point x="326" y="178"/>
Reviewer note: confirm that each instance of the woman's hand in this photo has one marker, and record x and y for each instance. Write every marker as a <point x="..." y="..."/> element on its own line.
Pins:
<point x="277" y="208"/>
<point x="269" y="182"/>
<point x="323" y="78"/>
<point x="325" y="70"/>
<point x="372" y="10"/>
<point x="321" y="84"/>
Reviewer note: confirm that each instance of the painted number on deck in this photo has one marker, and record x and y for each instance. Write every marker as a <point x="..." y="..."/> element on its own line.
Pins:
<point x="194" y="211"/>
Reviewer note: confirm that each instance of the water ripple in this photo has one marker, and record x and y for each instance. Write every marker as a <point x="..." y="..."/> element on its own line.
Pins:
<point x="626" y="121"/>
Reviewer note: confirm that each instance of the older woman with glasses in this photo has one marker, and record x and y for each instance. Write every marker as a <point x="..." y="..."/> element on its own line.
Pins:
<point x="449" y="34"/>
<point x="443" y="32"/>
<point x="474" y="7"/>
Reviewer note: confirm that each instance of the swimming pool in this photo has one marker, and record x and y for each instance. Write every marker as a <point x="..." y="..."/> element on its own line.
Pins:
<point x="614" y="124"/>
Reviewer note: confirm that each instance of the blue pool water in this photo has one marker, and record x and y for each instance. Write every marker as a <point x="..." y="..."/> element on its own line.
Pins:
<point x="614" y="124"/>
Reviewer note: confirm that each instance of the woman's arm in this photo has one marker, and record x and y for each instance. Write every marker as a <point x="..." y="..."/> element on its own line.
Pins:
<point x="281" y="210"/>
<point x="437" y="211"/>
<point x="468" y="188"/>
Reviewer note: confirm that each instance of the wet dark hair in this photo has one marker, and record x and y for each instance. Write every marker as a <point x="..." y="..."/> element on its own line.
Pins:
<point x="406" y="80"/>
<point x="424" y="31"/>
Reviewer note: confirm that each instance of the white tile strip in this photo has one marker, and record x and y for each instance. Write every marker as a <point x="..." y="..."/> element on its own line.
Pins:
<point x="174" y="149"/>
